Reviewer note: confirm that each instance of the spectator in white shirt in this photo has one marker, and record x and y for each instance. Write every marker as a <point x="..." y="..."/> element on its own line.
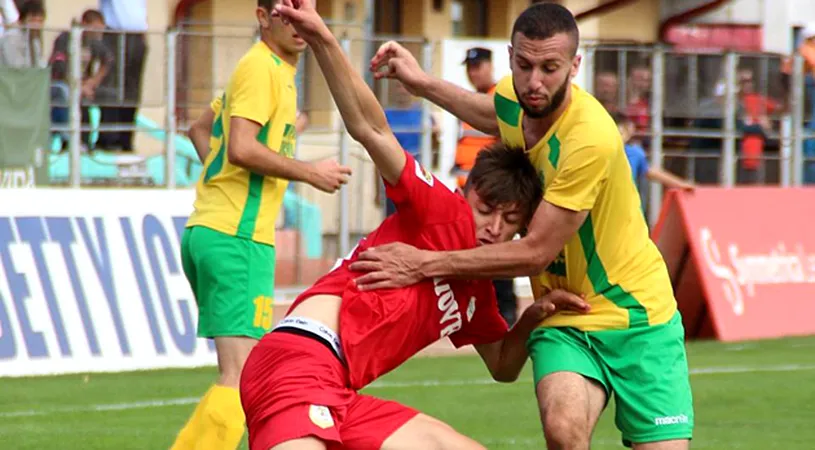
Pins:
<point x="8" y="14"/>
<point x="21" y="45"/>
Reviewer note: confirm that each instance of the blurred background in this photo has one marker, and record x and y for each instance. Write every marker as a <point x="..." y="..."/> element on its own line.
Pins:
<point x="709" y="85"/>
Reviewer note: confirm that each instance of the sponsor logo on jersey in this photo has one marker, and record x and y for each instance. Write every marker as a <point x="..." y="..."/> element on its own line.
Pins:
<point x="451" y="317"/>
<point x="320" y="416"/>
<point x="424" y="174"/>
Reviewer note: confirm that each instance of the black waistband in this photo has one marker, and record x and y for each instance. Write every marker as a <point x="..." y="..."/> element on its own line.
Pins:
<point x="307" y="334"/>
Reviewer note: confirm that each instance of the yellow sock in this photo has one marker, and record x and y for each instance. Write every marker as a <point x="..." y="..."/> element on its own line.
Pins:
<point x="187" y="436"/>
<point x="222" y="420"/>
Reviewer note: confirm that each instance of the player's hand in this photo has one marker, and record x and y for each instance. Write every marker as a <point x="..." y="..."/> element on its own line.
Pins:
<point x="389" y="266"/>
<point x="554" y="301"/>
<point x="302" y="16"/>
<point x="394" y="61"/>
<point x="328" y="176"/>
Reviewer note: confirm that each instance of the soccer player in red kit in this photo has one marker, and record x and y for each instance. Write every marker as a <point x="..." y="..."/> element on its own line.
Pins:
<point x="299" y="385"/>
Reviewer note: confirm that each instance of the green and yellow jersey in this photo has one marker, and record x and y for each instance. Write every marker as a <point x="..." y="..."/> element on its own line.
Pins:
<point x="231" y="199"/>
<point x="582" y="165"/>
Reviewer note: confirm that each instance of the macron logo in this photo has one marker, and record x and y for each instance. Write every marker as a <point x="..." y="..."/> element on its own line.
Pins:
<point x="671" y="420"/>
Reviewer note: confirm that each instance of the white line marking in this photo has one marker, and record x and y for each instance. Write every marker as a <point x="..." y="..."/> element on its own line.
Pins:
<point x="375" y="385"/>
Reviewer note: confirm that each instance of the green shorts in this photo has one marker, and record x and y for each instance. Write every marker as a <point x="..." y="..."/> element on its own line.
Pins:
<point x="645" y="368"/>
<point x="233" y="282"/>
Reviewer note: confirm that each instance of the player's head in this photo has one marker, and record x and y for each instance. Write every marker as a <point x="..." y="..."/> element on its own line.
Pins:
<point x="503" y="190"/>
<point x="272" y="29"/>
<point x="625" y="124"/>
<point x="543" y="57"/>
<point x="479" y="68"/>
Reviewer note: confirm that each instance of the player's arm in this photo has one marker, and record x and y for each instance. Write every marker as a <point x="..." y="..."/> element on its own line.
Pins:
<point x="668" y="179"/>
<point x="251" y="101"/>
<point x="472" y="107"/>
<point x="360" y="110"/>
<point x="506" y="358"/>
<point x="564" y="209"/>
<point x="201" y="130"/>
<point x="302" y="122"/>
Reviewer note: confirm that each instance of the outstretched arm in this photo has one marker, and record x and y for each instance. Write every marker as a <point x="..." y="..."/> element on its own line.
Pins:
<point x="506" y="358"/>
<point x="394" y="61"/>
<point x="363" y="116"/>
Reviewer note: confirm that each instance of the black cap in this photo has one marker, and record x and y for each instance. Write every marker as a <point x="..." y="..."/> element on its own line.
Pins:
<point x="477" y="54"/>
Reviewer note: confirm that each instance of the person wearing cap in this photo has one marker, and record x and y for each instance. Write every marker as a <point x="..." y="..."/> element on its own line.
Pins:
<point x="478" y="62"/>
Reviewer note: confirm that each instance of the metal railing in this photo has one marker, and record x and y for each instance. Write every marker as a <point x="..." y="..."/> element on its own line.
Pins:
<point x="681" y="86"/>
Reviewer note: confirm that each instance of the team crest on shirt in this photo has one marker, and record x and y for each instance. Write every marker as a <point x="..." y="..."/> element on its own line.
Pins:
<point x="424" y="174"/>
<point x="320" y="416"/>
<point x="471" y="309"/>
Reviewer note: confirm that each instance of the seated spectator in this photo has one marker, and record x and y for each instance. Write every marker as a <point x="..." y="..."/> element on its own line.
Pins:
<point x="21" y="44"/>
<point x="97" y="61"/>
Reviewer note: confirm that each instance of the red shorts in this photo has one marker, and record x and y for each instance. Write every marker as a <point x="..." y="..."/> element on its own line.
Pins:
<point x="293" y="386"/>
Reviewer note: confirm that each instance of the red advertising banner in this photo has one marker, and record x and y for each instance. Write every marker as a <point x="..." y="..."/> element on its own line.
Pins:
<point x="742" y="260"/>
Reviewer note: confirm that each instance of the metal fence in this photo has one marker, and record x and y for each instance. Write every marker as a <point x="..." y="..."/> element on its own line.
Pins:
<point x="694" y="112"/>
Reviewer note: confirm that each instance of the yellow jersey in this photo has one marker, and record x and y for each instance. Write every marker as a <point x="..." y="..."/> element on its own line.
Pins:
<point x="611" y="259"/>
<point x="231" y="199"/>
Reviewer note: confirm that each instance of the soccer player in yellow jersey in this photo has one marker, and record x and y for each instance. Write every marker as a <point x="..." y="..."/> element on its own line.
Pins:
<point x="228" y="249"/>
<point x="588" y="236"/>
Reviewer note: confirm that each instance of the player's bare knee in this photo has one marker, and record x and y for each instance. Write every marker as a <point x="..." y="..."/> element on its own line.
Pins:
<point x="565" y="433"/>
<point x="306" y="443"/>
<point x="426" y="432"/>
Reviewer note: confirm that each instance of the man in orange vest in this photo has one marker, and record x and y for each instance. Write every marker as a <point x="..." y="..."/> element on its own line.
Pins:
<point x="471" y="141"/>
<point x="479" y="71"/>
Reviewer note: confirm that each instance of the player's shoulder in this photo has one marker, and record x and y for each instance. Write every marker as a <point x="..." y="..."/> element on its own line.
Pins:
<point x="589" y="125"/>
<point x="259" y="57"/>
<point x="507" y="110"/>
<point x="505" y="88"/>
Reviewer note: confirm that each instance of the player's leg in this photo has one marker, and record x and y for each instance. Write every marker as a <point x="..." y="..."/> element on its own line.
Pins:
<point x="676" y="444"/>
<point x="373" y="423"/>
<point x="426" y="432"/>
<point x="293" y="391"/>
<point x="187" y="436"/>
<point x="569" y="384"/>
<point x="308" y="443"/>
<point x="235" y="279"/>
<point x="648" y="372"/>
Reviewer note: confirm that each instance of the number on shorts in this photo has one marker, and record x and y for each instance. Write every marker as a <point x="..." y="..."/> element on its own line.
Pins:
<point x="263" y="312"/>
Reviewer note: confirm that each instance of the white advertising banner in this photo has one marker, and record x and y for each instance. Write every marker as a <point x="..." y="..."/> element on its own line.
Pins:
<point x="91" y="281"/>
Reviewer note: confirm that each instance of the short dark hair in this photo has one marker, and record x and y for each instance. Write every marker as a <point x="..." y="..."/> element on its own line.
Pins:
<point x="504" y="175"/>
<point x="268" y="4"/>
<point x="545" y="20"/>
<point x="92" y="15"/>
<point x="31" y="8"/>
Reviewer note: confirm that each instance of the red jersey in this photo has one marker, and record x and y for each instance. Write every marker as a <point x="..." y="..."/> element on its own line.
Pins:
<point x="379" y="330"/>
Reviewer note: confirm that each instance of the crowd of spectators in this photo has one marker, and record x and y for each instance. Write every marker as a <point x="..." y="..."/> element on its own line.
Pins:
<point x="113" y="51"/>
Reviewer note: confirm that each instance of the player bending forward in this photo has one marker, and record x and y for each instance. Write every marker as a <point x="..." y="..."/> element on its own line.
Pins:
<point x="299" y="385"/>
